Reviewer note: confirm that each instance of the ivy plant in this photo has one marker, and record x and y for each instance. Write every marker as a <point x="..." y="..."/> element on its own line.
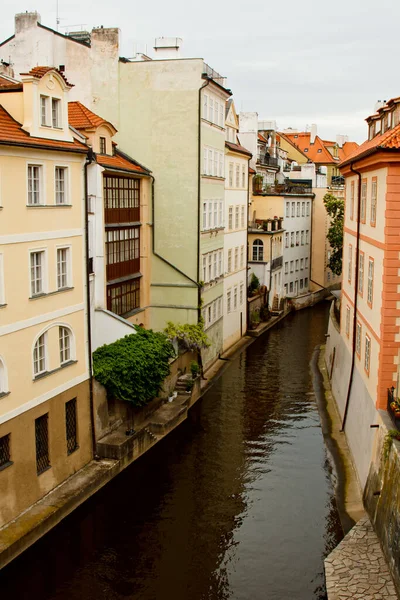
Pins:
<point x="134" y="367"/>
<point x="189" y="336"/>
<point x="335" y="209"/>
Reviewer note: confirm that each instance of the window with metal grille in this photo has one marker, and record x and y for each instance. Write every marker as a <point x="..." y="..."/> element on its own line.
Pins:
<point x="5" y="452"/>
<point x="65" y="344"/>
<point x="70" y="426"/>
<point x="39" y="355"/>
<point x="121" y="199"/>
<point x="61" y="182"/>
<point x="42" y="443"/>
<point x="34" y="172"/>
<point x="123" y="297"/>
<point x="123" y="252"/>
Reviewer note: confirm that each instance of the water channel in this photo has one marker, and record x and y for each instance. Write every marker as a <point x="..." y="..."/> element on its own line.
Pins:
<point x="237" y="503"/>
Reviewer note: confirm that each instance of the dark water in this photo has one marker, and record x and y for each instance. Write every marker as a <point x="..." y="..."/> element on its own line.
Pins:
<point x="237" y="503"/>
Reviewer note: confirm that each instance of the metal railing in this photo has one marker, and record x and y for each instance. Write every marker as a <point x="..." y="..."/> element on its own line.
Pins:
<point x="391" y="409"/>
<point x="270" y="161"/>
<point x="207" y="70"/>
<point x="276" y="263"/>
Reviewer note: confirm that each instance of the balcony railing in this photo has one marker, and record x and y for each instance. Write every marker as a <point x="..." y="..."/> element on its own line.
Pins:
<point x="337" y="181"/>
<point x="209" y="72"/>
<point x="391" y="409"/>
<point x="270" y="161"/>
<point x="276" y="263"/>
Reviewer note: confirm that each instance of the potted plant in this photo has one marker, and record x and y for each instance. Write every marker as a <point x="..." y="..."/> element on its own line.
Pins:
<point x="257" y="183"/>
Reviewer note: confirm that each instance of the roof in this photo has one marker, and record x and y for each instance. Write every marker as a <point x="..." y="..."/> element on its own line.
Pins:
<point x="238" y="148"/>
<point x="303" y="142"/>
<point x="9" y="85"/>
<point x="121" y="162"/>
<point x="252" y="171"/>
<point x="289" y="141"/>
<point x="11" y="133"/>
<point x="347" y="149"/>
<point x="390" y="140"/>
<point x="80" y="117"/>
<point x="39" y="72"/>
<point x="262" y="138"/>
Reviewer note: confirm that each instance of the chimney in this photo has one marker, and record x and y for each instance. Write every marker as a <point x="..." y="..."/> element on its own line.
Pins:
<point x="167" y="48"/>
<point x="313" y="134"/>
<point x="340" y="140"/>
<point x="379" y="105"/>
<point x="26" y="20"/>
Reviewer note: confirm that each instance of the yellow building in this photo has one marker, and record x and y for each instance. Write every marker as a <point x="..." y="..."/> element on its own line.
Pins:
<point x="45" y="418"/>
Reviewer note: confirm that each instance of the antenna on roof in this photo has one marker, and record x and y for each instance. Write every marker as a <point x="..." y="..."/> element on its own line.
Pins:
<point x="57" y="16"/>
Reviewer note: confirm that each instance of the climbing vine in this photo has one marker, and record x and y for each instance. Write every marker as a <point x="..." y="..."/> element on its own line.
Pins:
<point x="335" y="209"/>
<point x="189" y="336"/>
<point x="134" y="367"/>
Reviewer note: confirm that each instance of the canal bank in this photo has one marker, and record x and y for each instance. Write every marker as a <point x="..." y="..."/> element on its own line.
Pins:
<point x="226" y="507"/>
<point x="119" y="451"/>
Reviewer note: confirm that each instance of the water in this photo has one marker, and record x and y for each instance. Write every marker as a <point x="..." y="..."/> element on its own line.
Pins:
<point x="235" y="504"/>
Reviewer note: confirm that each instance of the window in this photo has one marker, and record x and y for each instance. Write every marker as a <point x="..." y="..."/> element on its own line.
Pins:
<point x="34" y="185"/>
<point x="221" y="214"/>
<point x="292" y="239"/>
<point x="286" y="267"/>
<point x="62" y="268"/>
<point x="236" y="217"/>
<point x="287" y="214"/>
<point x="211" y="111"/>
<point x="286" y="240"/>
<point x="123" y="297"/>
<point x="70" y="426"/>
<point x="121" y="199"/>
<point x="307" y="234"/>
<point x="39" y="355"/>
<point x="215" y="264"/>
<point x="303" y="209"/>
<point x="236" y="259"/>
<point x="297" y="264"/>
<point x="306" y="263"/>
<point x="2" y="287"/>
<point x="210" y="161"/>
<point x="210" y="215"/>
<point x="64" y="337"/>
<point x="243" y="176"/>
<point x="229" y="268"/>
<point x="293" y="209"/>
<point x="5" y="451"/>
<point x="235" y="297"/>
<point x="301" y="263"/>
<point x="348" y="321"/>
<point x="302" y="238"/>
<point x="370" y="290"/>
<point x="298" y="209"/>
<point x="220" y="254"/>
<point x="229" y="301"/>
<point x="306" y="282"/>
<point x="242" y="216"/>
<point x="291" y="287"/>
<point x="205" y="106"/>
<point x="230" y="218"/>
<point x="363" y="208"/>
<point x="204" y="216"/>
<point x="205" y="269"/>
<point x="237" y="176"/>
<point x="361" y="274"/>
<point x="301" y="284"/>
<point x="297" y="238"/>
<point x="373" y="201"/>
<point x="122" y="252"/>
<point x="205" y="161"/>
<point x="358" y="339"/>
<point x="42" y="443"/>
<point x="43" y="110"/>
<point x="61" y="183"/>
<point x="55" y="112"/>
<point x="103" y="145"/>
<point x="350" y="263"/>
<point x="258" y="250"/>
<point x="241" y="294"/>
<point x="230" y="174"/>
<point x="308" y="209"/>
<point x="367" y="356"/>
<point x="215" y="214"/>
<point x="37" y="273"/>
<point x="352" y="200"/>
<point x="241" y="256"/>
<point x="209" y="266"/>
<point x="291" y="266"/>
<point x="3" y="378"/>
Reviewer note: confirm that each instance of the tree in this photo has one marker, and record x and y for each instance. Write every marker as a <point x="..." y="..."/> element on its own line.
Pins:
<point x="335" y="209"/>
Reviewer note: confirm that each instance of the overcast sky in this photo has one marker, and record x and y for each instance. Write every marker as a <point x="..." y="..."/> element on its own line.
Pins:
<point x="295" y="62"/>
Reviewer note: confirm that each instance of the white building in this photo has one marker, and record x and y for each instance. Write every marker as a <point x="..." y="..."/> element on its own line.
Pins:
<point x="297" y="244"/>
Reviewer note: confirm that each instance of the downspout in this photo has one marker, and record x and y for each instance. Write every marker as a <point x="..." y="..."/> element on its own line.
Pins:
<point x="311" y="237"/>
<point x="247" y="245"/>
<point x="89" y="159"/>
<point x="270" y="269"/>
<point x="357" y="255"/>
<point x="199" y="199"/>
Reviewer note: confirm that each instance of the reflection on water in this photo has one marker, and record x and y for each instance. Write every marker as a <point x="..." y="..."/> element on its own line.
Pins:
<point x="237" y="503"/>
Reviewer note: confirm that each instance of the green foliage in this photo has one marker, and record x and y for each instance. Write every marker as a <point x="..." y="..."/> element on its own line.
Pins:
<point x="254" y="283"/>
<point x="335" y="209"/>
<point x="194" y="369"/>
<point x="190" y="337"/>
<point x="134" y="368"/>
<point x="391" y="435"/>
<point x="265" y="315"/>
<point x="255" y="317"/>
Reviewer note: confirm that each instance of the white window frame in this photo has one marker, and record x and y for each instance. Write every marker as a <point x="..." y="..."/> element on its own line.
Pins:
<point x="221" y="213"/>
<point x="44" y="279"/>
<point x="41" y="187"/>
<point x="65" y="169"/>
<point x="63" y="347"/>
<point x="3" y="377"/>
<point x="44" y="103"/>
<point x="235" y="297"/>
<point x="2" y="285"/>
<point x="229" y="301"/>
<point x="347" y="327"/>
<point x="68" y="249"/>
<point x="367" y="353"/>
<point x="370" y="285"/>
<point x="56" y="116"/>
<point x="45" y="357"/>
<point x="242" y="216"/>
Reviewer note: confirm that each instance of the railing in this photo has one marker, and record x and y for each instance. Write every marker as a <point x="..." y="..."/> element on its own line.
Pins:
<point x="276" y="263"/>
<point x="207" y="70"/>
<point x="270" y="161"/>
<point x="337" y="180"/>
<point x="392" y="409"/>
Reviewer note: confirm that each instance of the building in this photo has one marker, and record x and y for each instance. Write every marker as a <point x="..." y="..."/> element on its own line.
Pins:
<point x="186" y="157"/>
<point x="265" y="238"/>
<point x="46" y="423"/>
<point x="364" y="353"/>
<point x="235" y="238"/>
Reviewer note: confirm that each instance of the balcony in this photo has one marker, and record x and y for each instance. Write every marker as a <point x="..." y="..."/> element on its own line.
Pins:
<point x="392" y="406"/>
<point x="276" y="263"/>
<point x="297" y="187"/>
<point x="337" y="181"/>
<point x="211" y="74"/>
<point x="269" y="161"/>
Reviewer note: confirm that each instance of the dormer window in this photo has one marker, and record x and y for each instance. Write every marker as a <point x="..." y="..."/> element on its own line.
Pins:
<point x="103" y="145"/>
<point x="44" y="100"/>
<point x="55" y="112"/>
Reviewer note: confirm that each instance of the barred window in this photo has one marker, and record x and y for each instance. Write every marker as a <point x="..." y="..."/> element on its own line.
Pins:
<point x="5" y="451"/>
<point x="42" y="443"/>
<point x="123" y="297"/>
<point x="121" y="199"/>
<point x="71" y="426"/>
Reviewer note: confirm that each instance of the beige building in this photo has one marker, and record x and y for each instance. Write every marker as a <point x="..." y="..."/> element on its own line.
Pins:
<point x="45" y="419"/>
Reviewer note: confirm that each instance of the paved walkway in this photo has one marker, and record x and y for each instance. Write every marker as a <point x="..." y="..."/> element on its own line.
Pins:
<point x="357" y="568"/>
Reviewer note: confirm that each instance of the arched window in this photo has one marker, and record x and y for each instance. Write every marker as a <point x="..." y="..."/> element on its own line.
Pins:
<point x="64" y="336"/>
<point x="258" y="250"/>
<point x="3" y="378"/>
<point x="39" y="355"/>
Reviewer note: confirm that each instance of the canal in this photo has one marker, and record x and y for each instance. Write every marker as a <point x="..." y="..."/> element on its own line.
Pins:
<point x="237" y="503"/>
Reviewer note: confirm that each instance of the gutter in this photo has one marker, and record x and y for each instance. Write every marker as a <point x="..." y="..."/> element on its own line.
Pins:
<point x="89" y="160"/>
<point x="357" y="257"/>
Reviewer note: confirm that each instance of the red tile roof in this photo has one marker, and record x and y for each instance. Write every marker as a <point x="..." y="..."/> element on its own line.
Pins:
<point x="11" y="133"/>
<point x="9" y="85"/>
<point x="347" y="149"/>
<point x="238" y="148"/>
<point x="39" y="72"/>
<point x="120" y="162"/>
<point x="252" y="171"/>
<point x="80" y="117"/>
<point x="262" y="138"/>
<point x="390" y="140"/>
<point x="303" y="142"/>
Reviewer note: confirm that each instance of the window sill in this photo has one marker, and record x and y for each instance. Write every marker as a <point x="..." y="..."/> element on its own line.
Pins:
<point x="49" y="205"/>
<point x="213" y="230"/>
<point x="45" y="294"/>
<point x="7" y="464"/>
<point x="4" y="394"/>
<point x="43" y="470"/>
<point x="220" y="127"/>
<point x="47" y="373"/>
<point x="132" y="312"/>
<point x="3" y="305"/>
<point x="215" y="177"/>
<point x="72" y="451"/>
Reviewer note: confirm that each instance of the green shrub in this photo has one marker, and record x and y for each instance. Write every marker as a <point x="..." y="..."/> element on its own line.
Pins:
<point x="194" y="369"/>
<point x="190" y="337"/>
<point x="254" y="283"/>
<point x="255" y="317"/>
<point x="134" y="368"/>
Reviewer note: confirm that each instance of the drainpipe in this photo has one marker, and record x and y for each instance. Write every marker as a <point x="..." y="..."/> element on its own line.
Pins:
<point x="89" y="159"/>
<point x="270" y="269"/>
<point x="247" y="244"/>
<point x="199" y="199"/>
<point x="357" y="256"/>
<point x="311" y="237"/>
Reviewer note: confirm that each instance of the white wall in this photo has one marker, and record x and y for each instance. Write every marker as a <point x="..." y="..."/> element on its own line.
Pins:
<point x="297" y="252"/>
<point x="108" y="328"/>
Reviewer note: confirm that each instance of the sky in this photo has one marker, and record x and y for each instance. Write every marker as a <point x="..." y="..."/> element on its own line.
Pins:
<point x="294" y="62"/>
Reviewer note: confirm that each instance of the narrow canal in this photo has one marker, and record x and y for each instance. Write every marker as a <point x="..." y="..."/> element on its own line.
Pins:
<point x="235" y="504"/>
